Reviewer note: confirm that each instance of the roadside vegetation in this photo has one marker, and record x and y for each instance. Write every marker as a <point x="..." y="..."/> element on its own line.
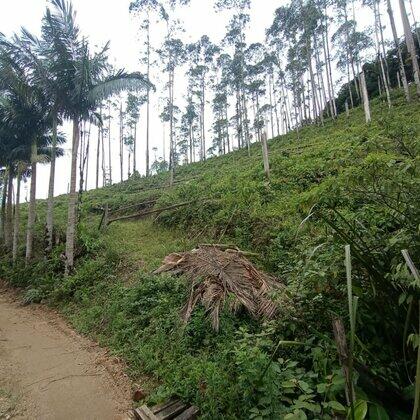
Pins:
<point x="345" y="183"/>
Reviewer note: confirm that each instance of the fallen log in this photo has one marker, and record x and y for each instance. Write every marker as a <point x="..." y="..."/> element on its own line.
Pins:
<point x="142" y="204"/>
<point x="149" y="212"/>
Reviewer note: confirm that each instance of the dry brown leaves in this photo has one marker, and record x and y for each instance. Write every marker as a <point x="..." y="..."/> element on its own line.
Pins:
<point x="218" y="276"/>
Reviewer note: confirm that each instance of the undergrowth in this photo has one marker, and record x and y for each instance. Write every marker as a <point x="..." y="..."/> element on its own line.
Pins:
<point x="345" y="183"/>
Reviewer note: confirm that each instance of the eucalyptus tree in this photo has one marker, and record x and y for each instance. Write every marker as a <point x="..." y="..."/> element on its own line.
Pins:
<point x="173" y="54"/>
<point x="409" y="40"/>
<point x="201" y="55"/>
<point x="146" y="9"/>
<point x="380" y="48"/>
<point x="402" y="73"/>
<point x="235" y="37"/>
<point x="223" y="87"/>
<point x="342" y="39"/>
<point x="133" y="105"/>
<point x="255" y="83"/>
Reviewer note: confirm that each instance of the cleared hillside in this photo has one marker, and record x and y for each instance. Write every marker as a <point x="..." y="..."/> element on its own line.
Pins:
<point x="344" y="183"/>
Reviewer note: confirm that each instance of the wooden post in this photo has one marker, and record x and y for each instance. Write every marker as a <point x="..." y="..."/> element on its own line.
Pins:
<point x="347" y="109"/>
<point x="365" y="96"/>
<point x="265" y="154"/>
<point x="343" y="354"/>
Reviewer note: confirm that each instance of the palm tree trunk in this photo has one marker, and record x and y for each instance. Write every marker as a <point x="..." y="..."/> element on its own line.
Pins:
<point x="3" y="204"/>
<point x="109" y="145"/>
<point x="50" y="201"/>
<point x="87" y="157"/>
<point x="32" y="205"/>
<point x="16" y="227"/>
<point x="98" y="150"/>
<point x="121" y="143"/>
<point x="8" y="229"/>
<point x="72" y="207"/>
<point x="410" y="45"/>
<point x="397" y="46"/>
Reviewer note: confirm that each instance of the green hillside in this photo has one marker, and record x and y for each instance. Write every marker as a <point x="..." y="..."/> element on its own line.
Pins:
<point x="343" y="183"/>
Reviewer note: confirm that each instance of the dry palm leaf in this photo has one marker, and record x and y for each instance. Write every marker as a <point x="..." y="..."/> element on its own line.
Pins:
<point x="216" y="275"/>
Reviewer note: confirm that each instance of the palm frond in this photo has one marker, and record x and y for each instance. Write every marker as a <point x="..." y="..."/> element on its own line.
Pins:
<point x="117" y="83"/>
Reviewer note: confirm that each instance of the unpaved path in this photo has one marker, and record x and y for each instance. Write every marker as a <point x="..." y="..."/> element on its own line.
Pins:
<point x="47" y="371"/>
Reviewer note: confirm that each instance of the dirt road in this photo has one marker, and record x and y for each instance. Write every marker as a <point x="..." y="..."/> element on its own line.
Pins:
<point x="47" y="371"/>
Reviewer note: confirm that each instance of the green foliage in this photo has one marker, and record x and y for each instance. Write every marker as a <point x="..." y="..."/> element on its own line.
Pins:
<point x="345" y="183"/>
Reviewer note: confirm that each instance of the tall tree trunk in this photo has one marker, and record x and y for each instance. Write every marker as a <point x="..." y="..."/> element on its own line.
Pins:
<point x="16" y="224"/>
<point x="365" y="97"/>
<point x="50" y="201"/>
<point x="328" y="62"/>
<point x="8" y="229"/>
<point x="381" y="33"/>
<point x="398" y="48"/>
<point x="270" y="85"/>
<point x="410" y="45"/>
<point x="98" y="149"/>
<point x="121" y="142"/>
<point x="3" y="204"/>
<point x="32" y="205"/>
<point x="171" y="128"/>
<point x="72" y="206"/>
<point x="203" y="122"/>
<point x="380" y="57"/>
<point x="109" y="145"/>
<point x="135" y="149"/>
<point x="147" y="104"/>
<point x="87" y="157"/>
<point x="416" y="27"/>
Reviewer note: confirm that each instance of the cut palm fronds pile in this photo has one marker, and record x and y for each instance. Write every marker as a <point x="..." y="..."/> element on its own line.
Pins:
<point x="217" y="275"/>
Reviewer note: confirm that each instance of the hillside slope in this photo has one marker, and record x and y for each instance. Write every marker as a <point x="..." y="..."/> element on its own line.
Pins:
<point x="345" y="183"/>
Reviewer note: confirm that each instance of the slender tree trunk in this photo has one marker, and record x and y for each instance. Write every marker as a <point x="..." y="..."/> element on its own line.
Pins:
<point x="3" y="204"/>
<point x="380" y="57"/>
<point x="50" y="201"/>
<point x="171" y="127"/>
<point x="416" y="27"/>
<point x="381" y="33"/>
<point x="270" y="85"/>
<point x="398" y="48"/>
<point x="147" y="103"/>
<point x="135" y="150"/>
<point x="32" y="205"/>
<point x="109" y="145"/>
<point x="98" y="150"/>
<point x="16" y="227"/>
<point x="87" y="157"/>
<point x="410" y="45"/>
<point x="8" y="231"/>
<point x="203" y="110"/>
<point x="72" y="206"/>
<point x="328" y="60"/>
<point x="365" y="97"/>
<point x="121" y="143"/>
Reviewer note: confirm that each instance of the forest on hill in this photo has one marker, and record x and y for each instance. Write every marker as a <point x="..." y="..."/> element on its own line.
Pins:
<point x="268" y="269"/>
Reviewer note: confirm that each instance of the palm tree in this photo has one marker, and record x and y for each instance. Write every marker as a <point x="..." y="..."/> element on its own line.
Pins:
<point x="86" y="81"/>
<point x="25" y="113"/>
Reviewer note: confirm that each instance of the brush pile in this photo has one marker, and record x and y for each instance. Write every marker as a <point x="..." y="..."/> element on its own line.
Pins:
<point x="217" y="276"/>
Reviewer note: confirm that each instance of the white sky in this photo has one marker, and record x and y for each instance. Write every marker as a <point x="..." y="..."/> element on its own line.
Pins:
<point x="103" y="20"/>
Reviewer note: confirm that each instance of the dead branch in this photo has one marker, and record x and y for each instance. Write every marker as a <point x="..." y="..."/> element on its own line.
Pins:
<point x="149" y="212"/>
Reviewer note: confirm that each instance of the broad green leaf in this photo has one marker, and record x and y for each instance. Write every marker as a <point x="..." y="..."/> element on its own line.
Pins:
<point x="360" y="410"/>
<point x="336" y="406"/>
<point x="377" y="412"/>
